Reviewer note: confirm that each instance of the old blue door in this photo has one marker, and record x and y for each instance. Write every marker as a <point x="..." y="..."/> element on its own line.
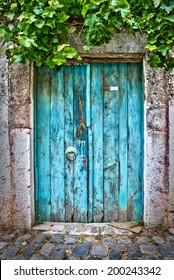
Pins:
<point x="89" y="142"/>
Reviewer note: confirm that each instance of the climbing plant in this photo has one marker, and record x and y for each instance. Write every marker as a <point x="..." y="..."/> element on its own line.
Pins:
<point x="38" y="30"/>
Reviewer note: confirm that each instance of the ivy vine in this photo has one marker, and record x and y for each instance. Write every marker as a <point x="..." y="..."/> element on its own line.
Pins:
<point x="38" y="30"/>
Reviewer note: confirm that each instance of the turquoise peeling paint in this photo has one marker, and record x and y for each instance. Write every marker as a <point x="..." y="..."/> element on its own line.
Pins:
<point x="80" y="106"/>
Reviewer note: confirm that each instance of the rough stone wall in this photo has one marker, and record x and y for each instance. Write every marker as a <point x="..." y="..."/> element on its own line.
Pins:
<point x="6" y="196"/>
<point x="19" y="121"/>
<point x="171" y="148"/>
<point x="156" y="149"/>
<point x="121" y="43"/>
<point x="15" y="151"/>
<point x="16" y="164"/>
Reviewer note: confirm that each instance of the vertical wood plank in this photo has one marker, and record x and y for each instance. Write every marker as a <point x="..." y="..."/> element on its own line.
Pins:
<point x="110" y="145"/>
<point x="69" y="141"/>
<point x="57" y="147"/>
<point x="122" y="189"/>
<point x="135" y="141"/>
<point x="36" y="73"/>
<point x="43" y="143"/>
<point x="97" y="128"/>
<point x="89" y="145"/>
<point x="80" y="142"/>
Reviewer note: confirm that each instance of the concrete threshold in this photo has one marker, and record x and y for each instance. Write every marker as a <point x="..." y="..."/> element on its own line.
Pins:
<point x="89" y="228"/>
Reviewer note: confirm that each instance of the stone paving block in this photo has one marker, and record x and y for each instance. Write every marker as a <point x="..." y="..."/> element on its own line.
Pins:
<point x="80" y="251"/>
<point x="158" y="239"/>
<point x="150" y="258"/>
<point x="22" y="238"/>
<point x="71" y="239"/>
<point x="10" y="252"/>
<point x="109" y="240"/>
<point x="39" y="238"/>
<point x="166" y="250"/>
<point x="89" y="239"/>
<point x="148" y="249"/>
<point x="125" y="240"/>
<point x="115" y="255"/>
<point x="30" y="250"/>
<point x="62" y="247"/>
<point x="38" y="257"/>
<point x="21" y="258"/>
<point x="58" y="255"/>
<point x="57" y="238"/>
<point x="141" y="239"/>
<point x="72" y="246"/>
<point x="8" y="238"/>
<point x="133" y="251"/>
<point x="3" y="245"/>
<point x="99" y="250"/>
<point x="118" y="247"/>
<point x="46" y="249"/>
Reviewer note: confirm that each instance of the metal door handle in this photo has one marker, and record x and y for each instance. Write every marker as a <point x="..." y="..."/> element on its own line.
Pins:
<point x="71" y="154"/>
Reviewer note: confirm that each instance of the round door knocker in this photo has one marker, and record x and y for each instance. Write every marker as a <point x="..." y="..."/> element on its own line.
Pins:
<point x="71" y="154"/>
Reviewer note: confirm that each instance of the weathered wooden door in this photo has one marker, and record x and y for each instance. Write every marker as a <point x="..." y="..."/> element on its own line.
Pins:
<point x="89" y="143"/>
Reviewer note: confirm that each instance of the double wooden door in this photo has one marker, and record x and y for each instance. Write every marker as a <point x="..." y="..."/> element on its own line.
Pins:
<point x="89" y="142"/>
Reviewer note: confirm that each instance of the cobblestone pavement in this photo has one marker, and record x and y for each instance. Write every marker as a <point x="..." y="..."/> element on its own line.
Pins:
<point x="111" y="241"/>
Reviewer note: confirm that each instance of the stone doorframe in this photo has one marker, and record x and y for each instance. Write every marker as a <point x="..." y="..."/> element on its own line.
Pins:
<point x="17" y="206"/>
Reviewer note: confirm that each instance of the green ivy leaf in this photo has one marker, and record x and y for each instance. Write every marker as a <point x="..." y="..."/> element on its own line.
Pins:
<point x="87" y="48"/>
<point x="48" y="12"/>
<point x="97" y="2"/>
<point x="10" y="15"/>
<point x="156" y="3"/>
<point x="152" y="40"/>
<point x="13" y="6"/>
<point x="39" y="23"/>
<point x="62" y="17"/>
<point x="170" y="18"/>
<point x="38" y="10"/>
<point x="38" y="63"/>
<point x="167" y="8"/>
<point x="61" y="47"/>
<point x="85" y="9"/>
<point x="55" y="40"/>
<point x="2" y="31"/>
<point x="58" y="60"/>
<point x="69" y="52"/>
<point x="154" y="60"/>
<point x="163" y="49"/>
<point x="26" y="42"/>
<point x="51" y="23"/>
<point x="151" y="47"/>
<point x="18" y="57"/>
<point x="124" y="12"/>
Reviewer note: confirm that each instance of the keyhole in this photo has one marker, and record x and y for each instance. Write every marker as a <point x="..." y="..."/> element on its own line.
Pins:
<point x="83" y="147"/>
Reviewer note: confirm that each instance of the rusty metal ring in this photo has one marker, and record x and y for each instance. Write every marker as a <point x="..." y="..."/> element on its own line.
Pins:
<point x="68" y="158"/>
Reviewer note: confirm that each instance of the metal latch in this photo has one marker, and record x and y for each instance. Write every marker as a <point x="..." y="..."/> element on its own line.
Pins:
<point x="110" y="88"/>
